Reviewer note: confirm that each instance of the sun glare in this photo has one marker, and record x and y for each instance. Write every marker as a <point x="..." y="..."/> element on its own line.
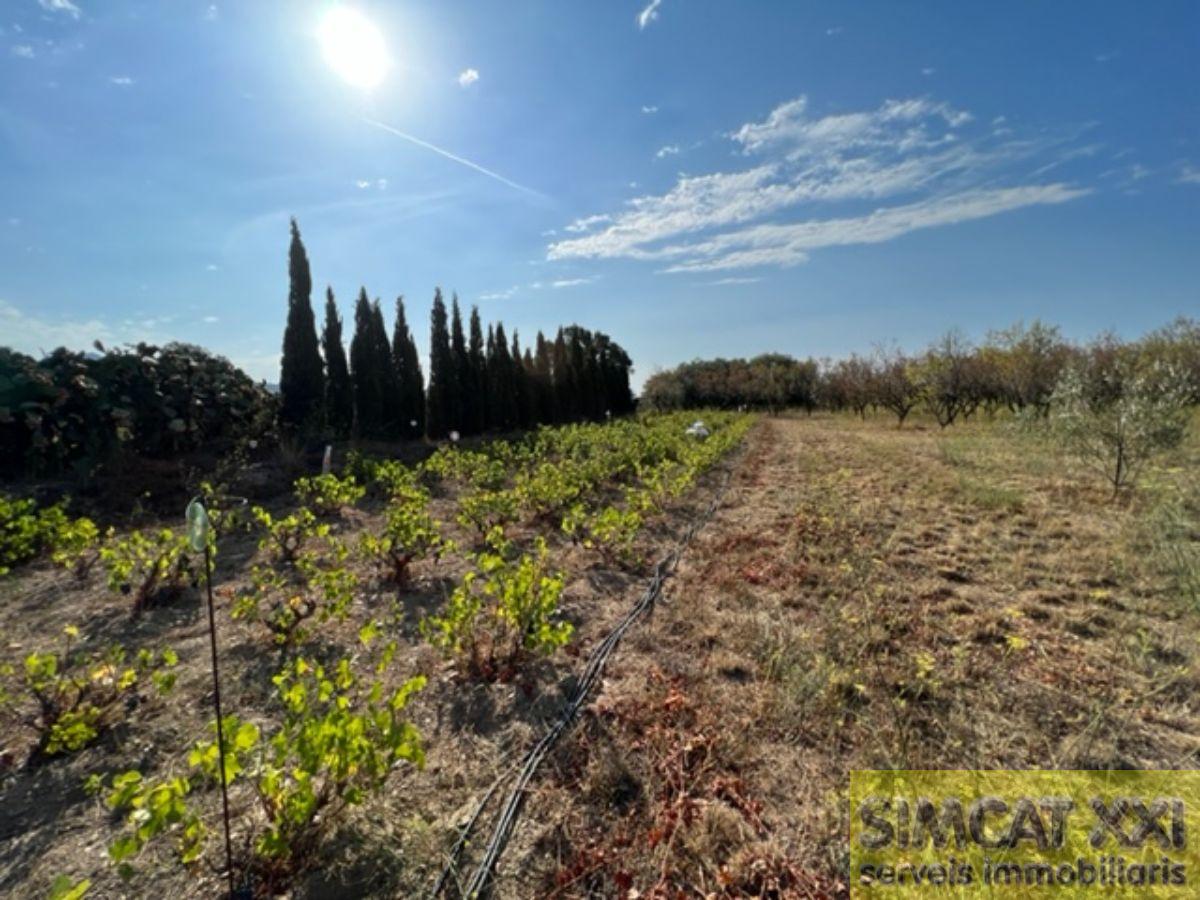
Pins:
<point x="353" y="47"/>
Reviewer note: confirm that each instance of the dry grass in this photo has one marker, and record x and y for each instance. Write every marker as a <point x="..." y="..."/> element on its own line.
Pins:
<point x="871" y="598"/>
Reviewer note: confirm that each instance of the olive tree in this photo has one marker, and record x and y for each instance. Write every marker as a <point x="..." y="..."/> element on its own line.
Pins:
<point x="1143" y="411"/>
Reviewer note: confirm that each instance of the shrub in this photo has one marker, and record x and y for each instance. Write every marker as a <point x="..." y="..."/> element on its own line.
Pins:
<point x="146" y="563"/>
<point x="74" y="410"/>
<point x="1116" y="422"/>
<point x="78" y="695"/>
<point x="341" y="738"/>
<point x="288" y="535"/>
<point x="77" y="547"/>
<point x="327" y="494"/>
<point x="284" y="604"/>
<point x="501" y="612"/>
<point x="26" y="531"/>
<point x="410" y="534"/>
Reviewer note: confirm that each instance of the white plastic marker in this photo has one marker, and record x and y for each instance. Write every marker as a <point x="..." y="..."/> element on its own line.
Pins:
<point x="327" y="461"/>
<point x="199" y="528"/>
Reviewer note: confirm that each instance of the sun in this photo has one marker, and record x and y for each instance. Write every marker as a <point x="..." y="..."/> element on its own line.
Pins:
<point x="353" y="47"/>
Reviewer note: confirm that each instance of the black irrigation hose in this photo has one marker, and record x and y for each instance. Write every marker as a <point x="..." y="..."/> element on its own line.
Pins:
<point x="480" y="882"/>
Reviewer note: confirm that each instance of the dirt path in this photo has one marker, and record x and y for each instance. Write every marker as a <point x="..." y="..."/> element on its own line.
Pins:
<point x="864" y="598"/>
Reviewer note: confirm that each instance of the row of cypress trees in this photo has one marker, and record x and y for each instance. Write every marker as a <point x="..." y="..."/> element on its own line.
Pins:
<point x="476" y="383"/>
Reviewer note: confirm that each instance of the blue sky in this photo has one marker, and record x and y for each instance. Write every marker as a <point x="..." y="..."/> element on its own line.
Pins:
<point x="696" y="178"/>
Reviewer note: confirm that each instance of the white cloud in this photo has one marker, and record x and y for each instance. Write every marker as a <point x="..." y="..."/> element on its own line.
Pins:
<point x="736" y="280"/>
<point x="836" y="29"/>
<point x="211" y="267"/>
<point x="468" y="77"/>
<point x="669" y="150"/>
<point x="569" y="282"/>
<point x="787" y="245"/>
<point x="23" y="50"/>
<point x="580" y="225"/>
<point x="212" y="13"/>
<point x="500" y="295"/>
<point x="381" y="183"/>
<point x="60" y="6"/>
<point x="911" y="149"/>
<point x="209" y="320"/>
<point x="120" y="80"/>
<point x="1106" y="57"/>
<point x="362" y="185"/>
<point x="649" y="110"/>
<point x="928" y="70"/>
<point x="649" y="14"/>
<point x="36" y="335"/>
<point x="1188" y="174"/>
<point x="789" y="126"/>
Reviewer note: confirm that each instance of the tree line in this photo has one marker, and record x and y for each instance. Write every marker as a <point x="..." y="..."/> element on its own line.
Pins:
<point x="478" y="381"/>
<point x="1018" y="369"/>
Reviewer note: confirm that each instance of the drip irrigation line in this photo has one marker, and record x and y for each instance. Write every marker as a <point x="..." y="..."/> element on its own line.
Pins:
<point x="481" y="880"/>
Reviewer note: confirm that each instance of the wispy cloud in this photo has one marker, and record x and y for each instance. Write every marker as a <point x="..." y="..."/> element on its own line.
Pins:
<point x="212" y="267"/>
<point x="584" y="224"/>
<point x="649" y="14"/>
<point x="24" y="51"/>
<point x="120" y="80"/>
<point x="736" y="280"/>
<point x="210" y="320"/>
<point x="835" y="30"/>
<point x="60" y="6"/>
<point x="928" y="70"/>
<point x="570" y="282"/>
<point x="669" y="150"/>
<point x="649" y="110"/>
<point x="500" y="295"/>
<point x="917" y="151"/>
<point x="468" y="77"/>
<point x="1188" y="174"/>
<point x="787" y="245"/>
<point x="36" y="335"/>
<point x="212" y="13"/>
<point x="452" y="156"/>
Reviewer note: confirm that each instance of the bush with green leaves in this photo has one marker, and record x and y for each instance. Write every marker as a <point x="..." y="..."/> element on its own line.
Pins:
<point x="145" y="563"/>
<point x="320" y="589"/>
<point x="504" y="611"/>
<point x="341" y="738"/>
<point x="77" y="695"/>
<point x="77" y="546"/>
<point x="71" y="411"/>
<point x="1117" y="420"/>
<point x="287" y="535"/>
<point x="410" y="533"/>
<point x="26" y="531"/>
<point x="327" y="493"/>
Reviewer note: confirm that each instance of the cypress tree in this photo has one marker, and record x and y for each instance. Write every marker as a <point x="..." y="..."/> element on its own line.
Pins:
<point x="476" y="367"/>
<point x="564" y="404"/>
<point x="439" y="408"/>
<point x="461" y="400"/>
<point x="530" y="415"/>
<point x="368" y="393"/>
<point x="490" y="370"/>
<point x="407" y="367"/>
<point x="543" y="380"/>
<point x="520" y="385"/>
<point x="505" y="389"/>
<point x="339" y="392"/>
<point x="301" y="377"/>
<point x="391" y="402"/>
